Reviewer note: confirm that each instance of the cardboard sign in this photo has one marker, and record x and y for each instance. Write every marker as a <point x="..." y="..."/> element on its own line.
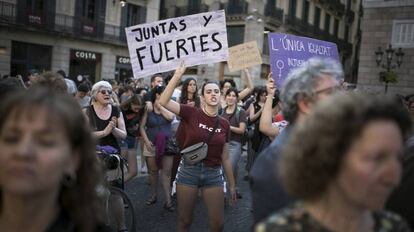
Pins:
<point x="161" y="46"/>
<point x="288" y="52"/>
<point x="243" y="56"/>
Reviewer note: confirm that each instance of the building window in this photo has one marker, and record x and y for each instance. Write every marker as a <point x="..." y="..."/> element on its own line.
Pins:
<point x="235" y="35"/>
<point x="35" y="6"/>
<point x="89" y="9"/>
<point x="403" y="33"/>
<point x="292" y="8"/>
<point x="305" y="12"/>
<point x="26" y="56"/>
<point x="136" y="15"/>
<point x="266" y="43"/>
<point x="346" y="35"/>
<point x="327" y="22"/>
<point x="317" y="19"/>
<point x="336" y="27"/>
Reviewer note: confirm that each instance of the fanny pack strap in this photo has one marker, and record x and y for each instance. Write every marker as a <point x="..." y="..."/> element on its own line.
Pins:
<point x="211" y="132"/>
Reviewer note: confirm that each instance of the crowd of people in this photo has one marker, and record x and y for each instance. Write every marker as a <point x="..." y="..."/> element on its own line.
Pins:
<point x="319" y="157"/>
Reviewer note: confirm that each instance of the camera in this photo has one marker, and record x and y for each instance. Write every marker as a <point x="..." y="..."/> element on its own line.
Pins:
<point x="111" y="162"/>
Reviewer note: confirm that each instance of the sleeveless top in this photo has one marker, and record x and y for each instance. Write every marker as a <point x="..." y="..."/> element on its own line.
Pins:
<point x="156" y="123"/>
<point x="98" y="124"/>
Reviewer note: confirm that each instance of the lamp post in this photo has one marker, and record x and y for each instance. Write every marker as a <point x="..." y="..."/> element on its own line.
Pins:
<point x="388" y="76"/>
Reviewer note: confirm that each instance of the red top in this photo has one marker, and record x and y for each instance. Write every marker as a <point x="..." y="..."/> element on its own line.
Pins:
<point x="195" y="127"/>
<point x="279" y="117"/>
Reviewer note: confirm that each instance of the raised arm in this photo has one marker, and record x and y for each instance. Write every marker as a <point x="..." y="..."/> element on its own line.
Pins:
<point x="253" y="115"/>
<point x="165" y="113"/>
<point x="165" y="99"/>
<point x="249" y="87"/>
<point x="265" y="125"/>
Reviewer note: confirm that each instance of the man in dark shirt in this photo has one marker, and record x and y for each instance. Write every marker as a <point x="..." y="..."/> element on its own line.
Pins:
<point x="313" y="81"/>
<point x="156" y="80"/>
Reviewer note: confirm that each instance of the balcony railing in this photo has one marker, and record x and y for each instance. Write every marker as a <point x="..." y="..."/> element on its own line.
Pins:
<point x="274" y="13"/>
<point x="7" y="12"/>
<point x="187" y="10"/>
<point x="350" y="15"/>
<point x="336" y="6"/>
<point x="297" y="24"/>
<point x="112" y="32"/>
<point x="232" y="8"/>
<point x="64" y="23"/>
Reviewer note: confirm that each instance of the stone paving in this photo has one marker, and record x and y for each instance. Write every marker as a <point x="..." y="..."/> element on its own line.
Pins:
<point x="156" y="219"/>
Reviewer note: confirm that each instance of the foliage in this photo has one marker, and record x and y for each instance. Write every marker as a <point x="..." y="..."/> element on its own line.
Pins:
<point x="388" y="77"/>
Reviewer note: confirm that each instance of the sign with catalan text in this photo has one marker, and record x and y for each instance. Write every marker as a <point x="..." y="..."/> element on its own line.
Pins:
<point x="288" y="52"/>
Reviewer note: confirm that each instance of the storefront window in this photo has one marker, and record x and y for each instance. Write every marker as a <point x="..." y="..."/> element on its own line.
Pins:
<point x="123" y="69"/>
<point x="85" y="65"/>
<point x="26" y="56"/>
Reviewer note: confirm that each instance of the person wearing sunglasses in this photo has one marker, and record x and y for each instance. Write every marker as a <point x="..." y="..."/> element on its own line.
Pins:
<point x="108" y="125"/>
<point x="107" y="121"/>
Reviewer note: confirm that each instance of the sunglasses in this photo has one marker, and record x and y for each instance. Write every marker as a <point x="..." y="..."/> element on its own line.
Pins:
<point x="104" y="91"/>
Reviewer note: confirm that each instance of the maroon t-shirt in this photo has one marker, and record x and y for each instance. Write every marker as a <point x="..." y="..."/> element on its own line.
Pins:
<point x="195" y="127"/>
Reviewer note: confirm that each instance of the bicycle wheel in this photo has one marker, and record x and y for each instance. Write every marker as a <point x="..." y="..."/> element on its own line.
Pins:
<point x="129" y="211"/>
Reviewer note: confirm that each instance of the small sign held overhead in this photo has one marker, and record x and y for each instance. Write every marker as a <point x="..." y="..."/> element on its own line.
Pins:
<point x="243" y="56"/>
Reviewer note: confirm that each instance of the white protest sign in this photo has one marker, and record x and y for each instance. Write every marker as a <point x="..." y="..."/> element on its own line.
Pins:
<point x="161" y="46"/>
<point x="243" y="56"/>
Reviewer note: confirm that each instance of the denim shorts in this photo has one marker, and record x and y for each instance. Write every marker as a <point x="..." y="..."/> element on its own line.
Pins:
<point x="199" y="175"/>
<point x="129" y="142"/>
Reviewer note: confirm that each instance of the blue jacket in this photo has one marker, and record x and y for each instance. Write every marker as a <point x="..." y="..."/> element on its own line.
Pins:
<point x="267" y="191"/>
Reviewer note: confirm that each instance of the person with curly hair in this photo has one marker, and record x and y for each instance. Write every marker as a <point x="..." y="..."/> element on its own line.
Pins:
<point x="314" y="81"/>
<point x="342" y="173"/>
<point x="189" y="93"/>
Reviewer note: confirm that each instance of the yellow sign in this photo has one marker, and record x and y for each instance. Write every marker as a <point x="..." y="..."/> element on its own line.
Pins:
<point x="243" y="56"/>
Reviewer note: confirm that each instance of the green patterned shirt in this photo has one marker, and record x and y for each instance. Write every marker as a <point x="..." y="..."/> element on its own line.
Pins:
<point x="296" y="219"/>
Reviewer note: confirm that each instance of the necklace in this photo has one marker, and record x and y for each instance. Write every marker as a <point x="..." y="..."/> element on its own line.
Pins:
<point x="208" y="114"/>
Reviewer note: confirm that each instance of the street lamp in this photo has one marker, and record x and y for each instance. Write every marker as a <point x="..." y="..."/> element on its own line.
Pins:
<point x="388" y="76"/>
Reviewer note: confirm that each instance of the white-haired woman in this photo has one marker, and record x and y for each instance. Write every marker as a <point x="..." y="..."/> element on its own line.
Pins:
<point x="108" y="125"/>
<point x="107" y="121"/>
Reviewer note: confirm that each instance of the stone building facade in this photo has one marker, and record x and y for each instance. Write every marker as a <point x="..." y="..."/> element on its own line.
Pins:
<point x="85" y="37"/>
<point x="337" y="21"/>
<point x="81" y="37"/>
<point x="387" y="23"/>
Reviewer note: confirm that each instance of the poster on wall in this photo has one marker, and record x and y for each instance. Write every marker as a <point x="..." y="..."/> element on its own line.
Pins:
<point x="161" y="46"/>
<point x="288" y="52"/>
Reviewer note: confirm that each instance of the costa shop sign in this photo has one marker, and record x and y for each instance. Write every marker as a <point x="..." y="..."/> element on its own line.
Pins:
<point x="123" y="60"/>
<point x="84" y="55"/>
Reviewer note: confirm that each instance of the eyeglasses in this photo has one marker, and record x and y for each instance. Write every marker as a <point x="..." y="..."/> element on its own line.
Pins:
<point x="104" y="91"/>
<point x="328" y="90"/>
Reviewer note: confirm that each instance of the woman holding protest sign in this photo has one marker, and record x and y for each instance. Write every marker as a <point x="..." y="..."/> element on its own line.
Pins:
<point x="201" y="125"/>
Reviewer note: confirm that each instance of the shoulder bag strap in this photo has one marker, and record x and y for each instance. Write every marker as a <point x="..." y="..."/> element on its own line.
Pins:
<point x="90" y="111"/>
<point x="215" y="127"/>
